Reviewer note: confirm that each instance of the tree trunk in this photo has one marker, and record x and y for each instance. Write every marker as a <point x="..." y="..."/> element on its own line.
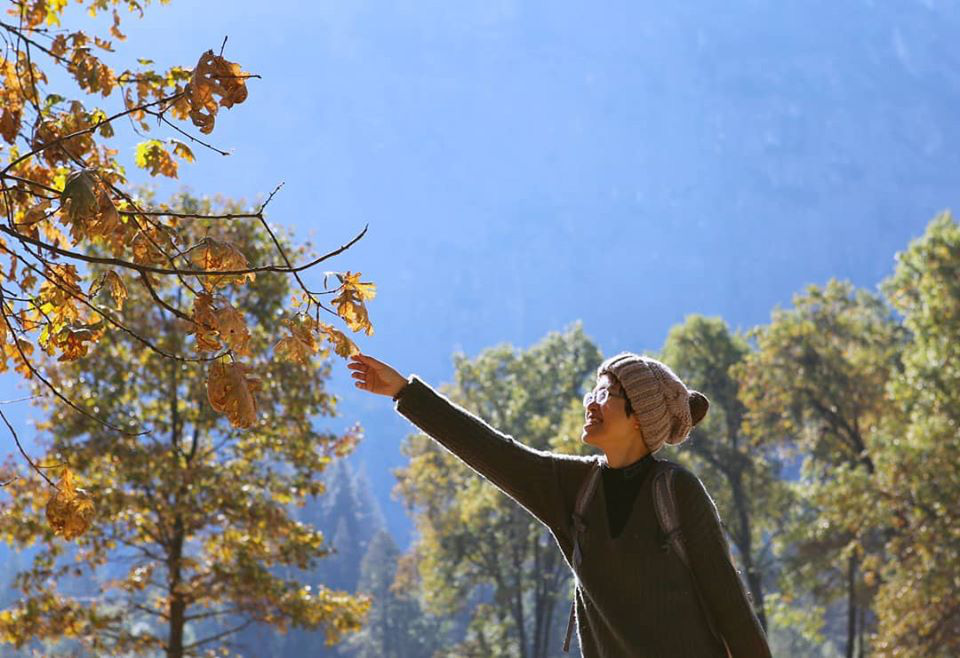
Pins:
<point x="519" y="619"/>
<point x="851" y="606"/>
<point x="861" y="624"/>
<point x="177" y="608"/>
<point x="745" y="546"/>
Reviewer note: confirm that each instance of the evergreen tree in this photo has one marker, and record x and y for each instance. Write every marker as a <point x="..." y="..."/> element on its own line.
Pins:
<point x="396" y="626"/>
<point x="351" y="515"/>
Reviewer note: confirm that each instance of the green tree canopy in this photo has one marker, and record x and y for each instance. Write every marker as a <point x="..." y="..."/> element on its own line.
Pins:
<point x="816" y="387"/>
<point x="918" y="485"/>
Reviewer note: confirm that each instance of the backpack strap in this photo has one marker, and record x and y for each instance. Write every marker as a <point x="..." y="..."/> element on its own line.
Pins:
<point x="579" y="526"/>
<point x="668" y="515"/>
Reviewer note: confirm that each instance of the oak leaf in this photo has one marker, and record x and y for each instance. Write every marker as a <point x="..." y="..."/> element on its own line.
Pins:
<point x="81" y="193"/>
<point x="214" y="76"/>
<point x="154" y="157"/>
<point x="301" y="344"/>
<point x="204" y="324"/>
<point x="72" y="341"/>
<point x="146" y="248"/>
<point x="9" y="125"/>
<point x="108" y="226"/>
<point x="231" y="390"/>
<point x="112" y="283"/>
<point x="232" y="328"/>
<point x="11" y="95"/>
<point x="182" y="150"/>
<point x="215" y="256"/>
<point x="342" y="344"/>
<point x="70" y="511"/>
<point x="291" y="348"/>
<point x="350" y="302"/>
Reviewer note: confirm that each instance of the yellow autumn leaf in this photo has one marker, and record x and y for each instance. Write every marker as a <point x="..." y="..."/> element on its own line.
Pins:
<point x="146" y="249"/>
<point x="107" y="224"/>
<point x="182" y="150"/>
<point x="154" y="157"/>
<point x="302" y="326"/>
<point x="73" y="341"/>
<point x="70" y="511"/>
<point x="350" y="302"/>
<point x="364" y="290"/>
<point x="231" y="390"/>
<point x="342" y="344"/>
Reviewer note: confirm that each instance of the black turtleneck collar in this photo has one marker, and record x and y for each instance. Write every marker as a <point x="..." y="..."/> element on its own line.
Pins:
<point x="637" y="469"/>
<point x="621" y="486"/>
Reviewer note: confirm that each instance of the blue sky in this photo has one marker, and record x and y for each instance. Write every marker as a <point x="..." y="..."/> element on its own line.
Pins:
<point x="526" y="165"/>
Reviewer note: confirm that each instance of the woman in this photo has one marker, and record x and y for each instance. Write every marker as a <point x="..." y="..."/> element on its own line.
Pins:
<point x="634" y="596"/>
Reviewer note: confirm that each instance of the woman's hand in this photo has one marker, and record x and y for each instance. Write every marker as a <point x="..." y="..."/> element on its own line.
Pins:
<point x="375" y="376"/>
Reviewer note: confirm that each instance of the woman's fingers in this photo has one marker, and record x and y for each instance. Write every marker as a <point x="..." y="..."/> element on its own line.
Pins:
<point x="374" y="375"/>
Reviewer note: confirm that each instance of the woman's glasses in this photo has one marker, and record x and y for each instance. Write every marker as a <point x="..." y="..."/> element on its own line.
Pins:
<point x="600" y="396"/>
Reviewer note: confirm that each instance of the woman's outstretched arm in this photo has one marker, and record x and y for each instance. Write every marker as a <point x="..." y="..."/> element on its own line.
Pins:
<point x="528" y="476"/>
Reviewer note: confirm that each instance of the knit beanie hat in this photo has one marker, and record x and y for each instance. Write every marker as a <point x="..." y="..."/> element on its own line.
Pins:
<point x="664" y="407"/>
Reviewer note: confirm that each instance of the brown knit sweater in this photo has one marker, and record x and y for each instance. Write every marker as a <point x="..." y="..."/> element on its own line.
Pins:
<point x="634" y="597"/>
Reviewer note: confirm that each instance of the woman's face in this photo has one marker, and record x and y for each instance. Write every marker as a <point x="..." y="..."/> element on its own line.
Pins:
<point x="608" y="425"/>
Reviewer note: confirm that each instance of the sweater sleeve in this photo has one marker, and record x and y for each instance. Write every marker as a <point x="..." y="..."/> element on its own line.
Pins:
<point x="528" y="476"/>
<point x="721" y="587"/>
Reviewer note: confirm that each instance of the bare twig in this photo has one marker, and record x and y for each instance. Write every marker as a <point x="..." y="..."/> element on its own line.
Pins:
<point x="160" y="117"/>
<point x="23" y="452"/>
<point x="23" y="399"/>
<point x="47" y="51"/>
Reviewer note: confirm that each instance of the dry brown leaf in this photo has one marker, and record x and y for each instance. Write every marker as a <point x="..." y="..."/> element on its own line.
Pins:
<point x="291" y="348"/>
<point x="231" y="390"/>
<point x="80" y="191"/>
<point x="214" y="76"/>
<point x="232" y="328"/>
<point x="112" y="282"/>
<point x="342" y="345"/>
<point x="204" y="324"/>
<point x="146" y="249"/>
<point x="9" y="125"/>
<point x="215" y="256"/>
<point x="73" y="341"/>
<point x="70" y="511"/>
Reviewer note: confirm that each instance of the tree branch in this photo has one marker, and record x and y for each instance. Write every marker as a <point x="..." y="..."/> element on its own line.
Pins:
<point x="116" y="262"/>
